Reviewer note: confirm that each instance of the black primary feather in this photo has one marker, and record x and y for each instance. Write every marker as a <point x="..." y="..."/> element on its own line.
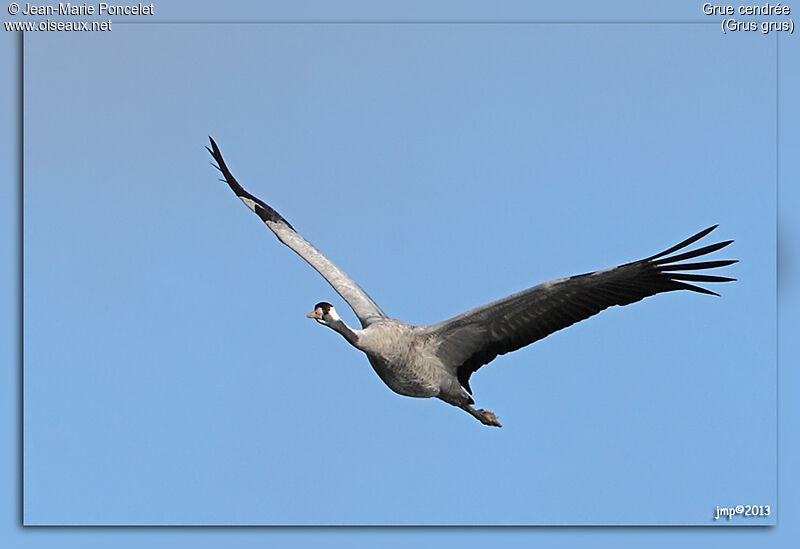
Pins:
<point x="263" y="211"/>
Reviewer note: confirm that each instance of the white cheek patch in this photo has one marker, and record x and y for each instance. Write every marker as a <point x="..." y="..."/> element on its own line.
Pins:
<point x="249" y="202"/>
<point x="333" y="314"/>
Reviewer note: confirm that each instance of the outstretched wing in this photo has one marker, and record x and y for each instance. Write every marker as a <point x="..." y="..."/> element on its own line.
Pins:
<point x="366" y="310"/>
<point x="476" y="337"/>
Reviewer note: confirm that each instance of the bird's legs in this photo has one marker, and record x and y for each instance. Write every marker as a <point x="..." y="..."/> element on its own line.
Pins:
<point x="484" y="416"/>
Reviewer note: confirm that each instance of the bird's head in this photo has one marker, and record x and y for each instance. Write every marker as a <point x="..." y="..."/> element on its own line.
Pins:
<point x="324" y="313"/>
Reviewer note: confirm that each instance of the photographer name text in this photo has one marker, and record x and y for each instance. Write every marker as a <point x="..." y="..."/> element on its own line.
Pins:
<point x="101" y="8"/>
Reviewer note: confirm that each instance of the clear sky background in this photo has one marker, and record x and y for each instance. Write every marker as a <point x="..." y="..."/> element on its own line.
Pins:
<point x="170" y="377"/>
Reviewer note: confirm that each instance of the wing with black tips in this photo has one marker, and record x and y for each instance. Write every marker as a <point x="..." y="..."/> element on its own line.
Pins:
<point x="474" y="338"/>
<point x="366" y="310"/>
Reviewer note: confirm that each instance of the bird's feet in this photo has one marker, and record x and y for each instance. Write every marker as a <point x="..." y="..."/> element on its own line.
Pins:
<point x="488" y="418"/>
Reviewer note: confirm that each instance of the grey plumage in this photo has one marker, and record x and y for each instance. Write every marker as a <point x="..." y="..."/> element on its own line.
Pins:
<point x="438" y="360"/>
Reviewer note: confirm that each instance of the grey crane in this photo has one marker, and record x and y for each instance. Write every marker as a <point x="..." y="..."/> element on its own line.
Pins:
<point x="438" y="360"/>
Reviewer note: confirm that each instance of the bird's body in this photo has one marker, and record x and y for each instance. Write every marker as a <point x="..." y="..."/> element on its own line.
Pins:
<point x="438" y="360"/>
<point x="402" y="357"/>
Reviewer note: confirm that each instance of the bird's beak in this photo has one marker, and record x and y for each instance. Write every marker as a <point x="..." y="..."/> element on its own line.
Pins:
<point x="312" y="314"/>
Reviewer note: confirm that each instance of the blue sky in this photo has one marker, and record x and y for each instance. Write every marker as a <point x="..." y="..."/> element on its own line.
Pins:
<point x="170" y="376"/>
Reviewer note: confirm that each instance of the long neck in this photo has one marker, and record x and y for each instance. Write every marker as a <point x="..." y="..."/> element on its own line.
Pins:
<point x="345" y="330"/>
